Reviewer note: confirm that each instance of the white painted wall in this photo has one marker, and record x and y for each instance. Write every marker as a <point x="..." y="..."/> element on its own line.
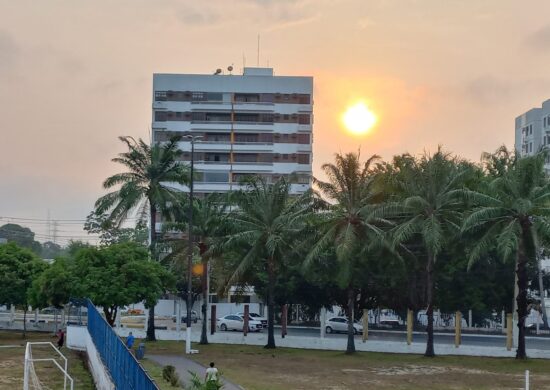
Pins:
<point x="78" y="338"/>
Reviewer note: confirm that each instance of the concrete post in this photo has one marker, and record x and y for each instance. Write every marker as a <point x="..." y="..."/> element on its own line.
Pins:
<point x="365" y="320"/>
<point x="322" y="320"/>
<point x="509" y="332"/>
<point x="63" y="317"/>
<point x="503" y="321"/>
<point x="470" y="324"/>
<point x="212" y="319"/>
<point x="36" y="317"/>
<point x="284" y="320"/>
<point x="458" y="326"/>
<point x="410" y="325"/>
<point x="178" y="315"/>
<point x="12" y="314"/>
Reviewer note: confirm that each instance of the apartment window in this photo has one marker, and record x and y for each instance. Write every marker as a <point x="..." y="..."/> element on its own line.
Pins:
<point x="304" y="99"/>
<point x="160" y="95"/>
<point x="216" y="177"/>
<point x="216" y="157"/>
<point x="242" y="157"/>
<point x="303" y="138"/>
<point x="160" y="116"/>
<point x="303" y="158"/>
<point x="530" y="147"/>
<point x="304" y="119"/>
<point x="247" y="97"/>
<point x="198" y="96"/>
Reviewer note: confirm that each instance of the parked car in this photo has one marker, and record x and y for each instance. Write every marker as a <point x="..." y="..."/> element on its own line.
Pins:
<point x="236" y="322"/>
<point x="257" y="317"/>
<point x="194" y="317"/>
<point x="340" y="324"/>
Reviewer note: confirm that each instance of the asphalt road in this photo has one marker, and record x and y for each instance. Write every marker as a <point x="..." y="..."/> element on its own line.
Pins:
<point x="467" y="339"/>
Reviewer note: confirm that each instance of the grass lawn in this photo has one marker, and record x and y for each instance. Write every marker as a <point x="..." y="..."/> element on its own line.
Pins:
<point x="12" y="356"/>
<point x="256" y="368"/>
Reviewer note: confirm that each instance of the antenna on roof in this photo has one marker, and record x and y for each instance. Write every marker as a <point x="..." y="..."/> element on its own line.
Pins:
<point x="217" y="72"/>
<point x="258" y="56"/>
<point x="230" y="68"/>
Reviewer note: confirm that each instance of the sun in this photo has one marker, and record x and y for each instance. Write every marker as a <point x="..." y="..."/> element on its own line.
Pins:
<point x="358" y="118"/>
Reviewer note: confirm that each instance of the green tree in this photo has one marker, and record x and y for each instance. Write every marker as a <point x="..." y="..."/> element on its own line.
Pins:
<point x="428" y="211"/>
<point x="110" y="233"/>
<point x="349" y="225"/>
<point x="512" y="210"/>
<point x="22" y="236"/>
<point x="209" y="217"/>
<point x="18" y="268"/>
<point x="119" y="275"/>
<point x="265" y="225"/>
<point x="144" y="187"/>
<point x="51" y="250"/>
<point x="54" y="286"/>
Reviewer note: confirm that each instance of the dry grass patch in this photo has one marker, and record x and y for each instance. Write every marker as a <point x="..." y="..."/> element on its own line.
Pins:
<point x="255" y="368"/>
<point x="12" y="363"/>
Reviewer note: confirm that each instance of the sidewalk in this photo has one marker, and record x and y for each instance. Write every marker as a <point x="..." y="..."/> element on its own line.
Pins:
<point x="184" y="365"/>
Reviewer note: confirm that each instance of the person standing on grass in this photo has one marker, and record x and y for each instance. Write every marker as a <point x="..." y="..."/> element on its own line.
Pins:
<point x="211" y="377"/>
<point x="60" y="338"/>
<point x="130" y="341"/>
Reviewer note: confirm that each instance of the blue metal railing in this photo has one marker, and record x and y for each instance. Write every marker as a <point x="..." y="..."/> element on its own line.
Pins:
<point x="125" y="370"/>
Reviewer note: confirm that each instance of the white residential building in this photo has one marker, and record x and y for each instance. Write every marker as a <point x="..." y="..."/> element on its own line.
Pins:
<point x="533" y="131"/>
<point x="251" y="124"/>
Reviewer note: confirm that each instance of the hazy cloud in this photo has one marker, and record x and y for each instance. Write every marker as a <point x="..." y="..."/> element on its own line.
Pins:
<point x="540" y="39"/>
<point x="193" y="16"/>
<point x="8" y="50"/>
<point x="487" y="89"/>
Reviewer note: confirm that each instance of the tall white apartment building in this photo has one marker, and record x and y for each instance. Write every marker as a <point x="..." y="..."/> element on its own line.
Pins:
<point x="533" y="131"/>
<point x="250" y="124"/>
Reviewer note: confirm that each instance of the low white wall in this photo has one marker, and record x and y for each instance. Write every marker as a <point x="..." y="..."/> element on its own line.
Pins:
<point x="78" y="338"/>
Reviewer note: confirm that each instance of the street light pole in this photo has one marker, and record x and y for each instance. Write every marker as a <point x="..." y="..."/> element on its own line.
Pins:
<point x="190" y="247"/>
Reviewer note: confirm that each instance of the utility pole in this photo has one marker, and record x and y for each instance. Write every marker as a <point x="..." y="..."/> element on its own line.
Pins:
<point x="190" y="247"/>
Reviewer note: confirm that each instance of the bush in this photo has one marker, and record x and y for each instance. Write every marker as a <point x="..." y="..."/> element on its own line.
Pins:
<point x="170" y="375"/>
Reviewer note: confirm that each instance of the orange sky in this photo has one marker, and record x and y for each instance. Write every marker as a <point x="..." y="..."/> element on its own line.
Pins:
<point x="76" y="74"/>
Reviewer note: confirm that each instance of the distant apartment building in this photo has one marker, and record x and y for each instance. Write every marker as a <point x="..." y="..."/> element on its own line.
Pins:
<point x="533" y="131"/>
<point x="250" y="124"/>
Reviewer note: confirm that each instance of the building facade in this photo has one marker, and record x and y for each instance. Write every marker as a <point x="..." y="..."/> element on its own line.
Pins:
<point x="533" y="131"/>
<point x="250" y="124"/>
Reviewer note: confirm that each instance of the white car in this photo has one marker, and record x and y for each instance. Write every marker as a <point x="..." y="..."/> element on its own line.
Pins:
<point x="235" y="322"/>
<point x="340" y="324"/>
<point x="256" y="317"/>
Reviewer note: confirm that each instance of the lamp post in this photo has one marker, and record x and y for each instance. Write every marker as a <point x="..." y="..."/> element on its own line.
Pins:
<point x="190" y="246"/>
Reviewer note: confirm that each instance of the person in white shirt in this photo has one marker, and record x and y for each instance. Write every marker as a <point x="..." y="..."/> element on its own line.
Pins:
<point x="211" y="376"/>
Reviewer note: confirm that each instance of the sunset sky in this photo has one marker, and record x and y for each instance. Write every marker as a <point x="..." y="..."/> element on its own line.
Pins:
<point x="75" y="74"/>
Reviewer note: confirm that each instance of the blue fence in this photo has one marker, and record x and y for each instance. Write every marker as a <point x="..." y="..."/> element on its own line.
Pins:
<point x="126" y="372"/>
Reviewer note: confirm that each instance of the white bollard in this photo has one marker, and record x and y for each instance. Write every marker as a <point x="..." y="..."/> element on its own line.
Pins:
<point x="503" y="315"/>
<point x="526" y="379"/>
<point x="470" y="325"/>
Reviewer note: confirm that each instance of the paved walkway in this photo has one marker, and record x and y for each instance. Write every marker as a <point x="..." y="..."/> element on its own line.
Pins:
<point x="184" y="365"/>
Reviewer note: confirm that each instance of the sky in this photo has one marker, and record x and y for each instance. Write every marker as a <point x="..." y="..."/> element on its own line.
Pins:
<point x="76" y="74"/>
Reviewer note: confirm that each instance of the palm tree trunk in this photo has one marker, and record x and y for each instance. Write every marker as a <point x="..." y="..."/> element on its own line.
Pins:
<point x="521" y="299"/>
<point x="151" y="336"/>
<point x="202" y="249"/>
<point x="351" y="338"/>
<point x="270" y="304"/>
<point x="430" y="310"/>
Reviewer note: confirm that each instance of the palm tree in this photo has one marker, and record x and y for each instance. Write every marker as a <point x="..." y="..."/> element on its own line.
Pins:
<point x="513" y="211"/>
<point x="144" y="187"/>
<point x="209" y="216"/>
<point x="265" y="224"/>
<point x="427" y="209"/>
<point x="349" y="225"/>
